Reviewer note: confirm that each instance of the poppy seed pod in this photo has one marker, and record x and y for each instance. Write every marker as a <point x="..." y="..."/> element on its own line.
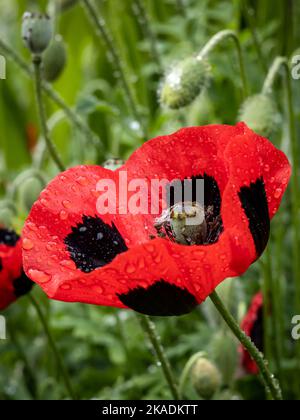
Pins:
<point x="206" y="378"/>
<point x="184" y="82"/>
<point x="54" y="59"/>
<point x="260" y="113"/>
<point x="37" y="31"/>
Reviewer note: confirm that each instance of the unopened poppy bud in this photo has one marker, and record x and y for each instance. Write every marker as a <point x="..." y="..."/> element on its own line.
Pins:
<point x="184" y="82"/>
<point x="206" y="378"/>
<point x="113" y="164"/>
<point x="185" y="223"/>
<point x="28" y="192"/>
<point x="37" y="31"/>
<point x="7" y="212"/>
<point x="54" y="59"/>
<point x="260" y="113"/>
<point x="6" y="216"/>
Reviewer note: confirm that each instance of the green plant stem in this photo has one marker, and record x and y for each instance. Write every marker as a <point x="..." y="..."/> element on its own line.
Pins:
<point x="52" y="94"/>
<point x="28" y="371"/>
<point x="249" y="16"/>
<point x="215" y="41"/>
<point x="149" y="329"/>
<point x="278" y="64"/>
<point x="270" y="382"/>
<point x="59" y="361"/>
<point x="65" y="5"/>
<point x="186" y="371"/>
<point x="272" y="339"/>
<point x="38" y="87"/>
<point x="143" y="19"/>
<point x="105" y="36"/>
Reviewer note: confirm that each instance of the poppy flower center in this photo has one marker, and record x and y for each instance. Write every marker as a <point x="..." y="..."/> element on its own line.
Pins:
<point x="191" y="221"/>
<point x="183" y="223"/>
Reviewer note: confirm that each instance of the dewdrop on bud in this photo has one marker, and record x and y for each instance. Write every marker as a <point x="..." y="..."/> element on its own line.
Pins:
<point x="260" y="113"/>
<point x="184" y="82"/>
<point x="113" y="164"/>
<point x="37" y="31"/>
<point x="206" y="378"/>
<point x="54" y="59"/>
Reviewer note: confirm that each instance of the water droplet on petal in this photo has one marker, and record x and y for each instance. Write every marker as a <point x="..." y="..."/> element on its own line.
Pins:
<point x="63" y="215"/>
<point x="44" y="202"/>
<point x="277" y="193"/>
<point x="68" y="264"/>
<point x="130" y="269"/>
<point x="98" y="289"/>
<point x="51" y="246"/>
<point x="27" y="244"/>
<point x="65" y="286"/>
<point x="67" y="204"/>
<point x="82" y="180"/>
<point x="39" y="276"/>
<point x="150" y="248"/>
<point x="32" y="226"/>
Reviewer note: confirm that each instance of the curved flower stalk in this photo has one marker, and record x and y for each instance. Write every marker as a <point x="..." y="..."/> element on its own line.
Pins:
<point x="271" y="384"/>
<point x="185" y="81"/>
<point x="260" y="112"/>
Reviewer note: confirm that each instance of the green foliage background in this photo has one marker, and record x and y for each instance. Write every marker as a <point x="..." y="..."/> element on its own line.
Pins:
<point x="104" y="349"/>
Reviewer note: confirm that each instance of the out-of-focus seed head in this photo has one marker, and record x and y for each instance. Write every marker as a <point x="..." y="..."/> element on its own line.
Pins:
<point x="37" y="31"/>
<point x="206" y="378"/>
<point x="184" y="82"/>
<point x="260" y="113"/>
<point x="54" y="59"/>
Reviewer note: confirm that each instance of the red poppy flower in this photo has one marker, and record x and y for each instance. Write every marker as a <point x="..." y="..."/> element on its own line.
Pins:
<point x="252" y="324"/>
<point x="76" y="254"/>
<point x="13" y="281"/>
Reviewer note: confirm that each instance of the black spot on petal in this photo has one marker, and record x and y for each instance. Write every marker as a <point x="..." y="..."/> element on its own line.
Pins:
<point x="8" y="237"/>
<point x="159" y="299"/>
<point x="93" y="243"/>
<point x="22" y="285"/>
<point x="255" y="205"/>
